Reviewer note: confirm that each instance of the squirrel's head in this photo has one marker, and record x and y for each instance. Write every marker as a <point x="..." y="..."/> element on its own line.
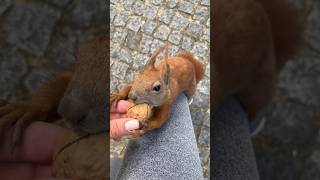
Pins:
<point x="151" y="85"/>
<point x="84" y="105"/>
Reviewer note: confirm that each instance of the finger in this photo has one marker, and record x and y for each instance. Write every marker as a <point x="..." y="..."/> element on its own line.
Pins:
<point x="19" y="128"/>
<point x="8" y="121"/>
<point x="114" y="116"/>
<point x="24" y="171"/>
<point x="122" y="106"/>
<point x="121" y="127"/>
<point x="38" y="144"/>
<point x="5" y="109"/>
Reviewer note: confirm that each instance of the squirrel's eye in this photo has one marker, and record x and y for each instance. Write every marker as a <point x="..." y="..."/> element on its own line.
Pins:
<point x="157" y="88"/>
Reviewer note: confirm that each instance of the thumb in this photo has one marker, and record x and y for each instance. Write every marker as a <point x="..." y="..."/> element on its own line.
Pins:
<point x="121" y="127"/>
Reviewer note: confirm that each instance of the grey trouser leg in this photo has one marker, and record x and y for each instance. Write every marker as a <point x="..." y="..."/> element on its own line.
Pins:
<point x="169" y="152"/>
<point x="233" y="156"/>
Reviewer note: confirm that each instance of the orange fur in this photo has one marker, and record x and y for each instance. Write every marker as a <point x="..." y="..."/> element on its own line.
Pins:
<point x="184" y="72"/>
<point x="196" y="64"/>
<point x="251" y="41"/>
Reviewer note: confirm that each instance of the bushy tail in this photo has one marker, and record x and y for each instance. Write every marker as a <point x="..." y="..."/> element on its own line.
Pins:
<point x="286" y="28"/>
<point x="198" y="66"/>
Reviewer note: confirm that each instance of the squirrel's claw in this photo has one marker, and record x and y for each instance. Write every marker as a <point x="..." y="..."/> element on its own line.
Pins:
<point x="138" y="133"/>
<point x="114" y="99"/>
<point x="19" y="117"/>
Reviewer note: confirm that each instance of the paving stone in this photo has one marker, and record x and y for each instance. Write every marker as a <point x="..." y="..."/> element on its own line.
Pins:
<point x="138" y="7"/>
<point x="175" y="37"/>
<point x="60" y="3"/>
<point x="126" y="3"/>
<point x="172" y="3"/>
<point x="139" y="61"/>
<point x="119" y="69"/>
<point x="286" y="120"/>
<point x="205" y="2"/>
<point x="4" y="5"/>
<point x="134" y="41"/>
<point x="187" y="43"/>
<point x="201" y="14"/>
<point x="113" y="84"/>
<point x="146" y="43"/>
<point x="186" y="7"/>
<point x="165" y="15"/>
<point x="89" y="13"/>
<point x="151" y="12"/>
<point x="121" y="19"/>
<point x="204" y="137"/>
<point x="207" y="70"/>
<point x="13" y="68"/>
<point x="156" y="44"/>
<point x="197" y="116"/>
<point x="134" y="23"/>
<point x="200" y="49"/>
<point x="179" y="22"/>
<point x="36" y="23"/>
<point x="61" y="49"/>
<point x="148" y="27"/>
<point x="156" y="2"/>
<point x="278" y="162"/>
<point x="112" y="12"/>
<point x="313" y="26"/>
<point x="119" y="35"/>
<point x="114" y="50"/>
<point x="204" y="86"/>
<point x="162" y="32"/>
<point x="173" y="50"/>
<point x="125" y="55"/>
<point x="206" y="35"/>
<point x="312" y="167"/>
<point x="195" y="30"/>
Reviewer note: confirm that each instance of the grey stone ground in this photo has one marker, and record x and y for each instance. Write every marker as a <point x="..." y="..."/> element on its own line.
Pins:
<point x="39" y="38"/>
<point x="139" y="27"/>
<point x="289" y="146"/>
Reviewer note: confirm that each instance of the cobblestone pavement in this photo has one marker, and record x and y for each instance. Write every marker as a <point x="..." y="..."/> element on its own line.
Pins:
<point x="289" y="146"/>
<point x="139" y="27"/>
<point x="39" y="38"/>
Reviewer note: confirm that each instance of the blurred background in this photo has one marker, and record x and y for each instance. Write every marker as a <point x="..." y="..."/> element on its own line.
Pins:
<point x="289" y="145"/>
<point x="40" y="38"/>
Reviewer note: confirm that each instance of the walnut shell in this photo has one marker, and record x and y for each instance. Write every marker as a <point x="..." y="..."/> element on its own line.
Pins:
<point x="141" y="112"/>
<point x="86" y="158"/>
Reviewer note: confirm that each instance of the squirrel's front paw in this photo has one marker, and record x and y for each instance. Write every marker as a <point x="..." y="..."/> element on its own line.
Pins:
<point x="114" y="99"/>
<point x="19" y="116"/>
<point x="138" y="133"/>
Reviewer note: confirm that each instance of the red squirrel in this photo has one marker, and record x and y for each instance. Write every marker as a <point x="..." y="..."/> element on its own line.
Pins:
<point x="159" y="85"/>
<point x="79" y="95"/>
<point x="252" y="40"/>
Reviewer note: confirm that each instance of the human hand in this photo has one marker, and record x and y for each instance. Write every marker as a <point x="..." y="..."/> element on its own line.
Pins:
<point x="120" y="124"/>
<point x="33" y="157"/>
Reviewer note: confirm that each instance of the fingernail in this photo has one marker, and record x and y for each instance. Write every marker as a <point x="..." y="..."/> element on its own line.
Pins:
<point x="132" y="125"/>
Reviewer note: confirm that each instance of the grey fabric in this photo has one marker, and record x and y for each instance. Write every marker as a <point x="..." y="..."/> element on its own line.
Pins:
<point x="115" y="164"/>
<point x="233" y="156"/>
<point x="169" y="152"/>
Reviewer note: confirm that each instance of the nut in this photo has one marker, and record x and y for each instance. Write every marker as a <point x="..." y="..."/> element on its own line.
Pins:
<point x="141" y="112"/>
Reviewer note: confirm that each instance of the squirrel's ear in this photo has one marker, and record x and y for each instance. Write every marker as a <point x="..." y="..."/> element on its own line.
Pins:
<point x="166" y="73"/>
<point x="166" y="67"/>
<point x="151" y="63"/>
